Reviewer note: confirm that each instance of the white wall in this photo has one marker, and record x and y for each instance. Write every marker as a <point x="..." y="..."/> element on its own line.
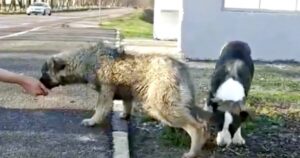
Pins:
<point x="166" y="19"/>
<point x="205" y="28"/>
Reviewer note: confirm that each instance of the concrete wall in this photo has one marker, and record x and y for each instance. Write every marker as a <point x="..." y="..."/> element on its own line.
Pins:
<point x="166" y="19"/>
<point x="206" y="27"/>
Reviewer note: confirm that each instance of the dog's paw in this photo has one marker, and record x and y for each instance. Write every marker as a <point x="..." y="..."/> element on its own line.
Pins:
<point x="238" y="141"/>
<point x="124" y="116"/>
<point x="189" y="155"/>
<point x="88" y="122"/>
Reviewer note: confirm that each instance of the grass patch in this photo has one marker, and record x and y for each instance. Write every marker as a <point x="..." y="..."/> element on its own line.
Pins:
<point x="174" y="137"/>
<point x="262" y="121"/>
<point x="276" y="83"/>
<point x="287" y="72"/>
<point x="270" y="78"/>
<point x="131" y="26"/>
<point x="269" y="81"/>
<point x="271" y="98"/>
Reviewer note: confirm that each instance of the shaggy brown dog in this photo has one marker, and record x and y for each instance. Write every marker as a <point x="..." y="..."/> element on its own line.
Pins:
<point x="160" y="83"/>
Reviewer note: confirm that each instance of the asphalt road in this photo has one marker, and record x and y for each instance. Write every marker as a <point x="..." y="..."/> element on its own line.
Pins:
<point x="49" y="126"/>
<point x="18" y="23"/>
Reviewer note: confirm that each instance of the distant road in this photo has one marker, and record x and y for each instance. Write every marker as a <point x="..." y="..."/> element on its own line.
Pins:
<point x="14" y="24"/>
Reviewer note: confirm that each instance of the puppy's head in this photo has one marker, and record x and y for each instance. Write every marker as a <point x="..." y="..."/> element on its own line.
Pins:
<point x="56" y="71"/>
<point x="227" y="120"/>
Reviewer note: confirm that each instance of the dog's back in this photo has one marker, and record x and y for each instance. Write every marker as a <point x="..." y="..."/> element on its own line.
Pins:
<point x="235" y="62"/>
<point x="233" y="73"/>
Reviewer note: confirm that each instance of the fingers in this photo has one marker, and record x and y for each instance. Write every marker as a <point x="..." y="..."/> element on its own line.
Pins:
<point x="44" y="89"/>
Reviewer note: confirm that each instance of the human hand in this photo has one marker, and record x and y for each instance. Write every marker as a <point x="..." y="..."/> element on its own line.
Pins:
<point x="33" y="86"/>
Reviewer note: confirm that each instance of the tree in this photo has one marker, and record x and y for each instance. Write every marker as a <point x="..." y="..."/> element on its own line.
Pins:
<point x="4" y="4"/>
<point x="52" y="3"/>
<point x="28" y="3"/>
<point x="13" y="5"/>
<point x="20" y="2"/>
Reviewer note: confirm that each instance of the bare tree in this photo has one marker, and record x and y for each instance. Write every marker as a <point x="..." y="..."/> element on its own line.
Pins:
<point x="20" y="2"/>
<point x="67" y="4"/>
<point x="4" y="4"/>
<point x="13" y="5"/>
<point x="51" y="3"/>
<point x="28" y="3"/>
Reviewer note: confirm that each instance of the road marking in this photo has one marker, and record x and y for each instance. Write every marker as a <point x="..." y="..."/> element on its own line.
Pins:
<point x="20" y="33"/>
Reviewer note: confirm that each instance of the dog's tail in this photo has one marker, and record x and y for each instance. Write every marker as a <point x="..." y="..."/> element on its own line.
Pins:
<point x="200" y="114"/>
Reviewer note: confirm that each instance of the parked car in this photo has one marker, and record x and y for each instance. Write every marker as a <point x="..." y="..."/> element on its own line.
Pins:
<point x="39" y="8"/>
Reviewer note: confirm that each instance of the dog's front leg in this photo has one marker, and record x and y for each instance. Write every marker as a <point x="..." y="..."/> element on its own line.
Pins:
<point x="237" y="138"/>
<point x="103" y="107"/>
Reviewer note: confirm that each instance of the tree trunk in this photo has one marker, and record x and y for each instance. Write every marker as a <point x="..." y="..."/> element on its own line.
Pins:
<point x="51" y="3"/>
<point x="28" y="2"/>
<point x="20" y="2"/>
<point x="13" y="5"/>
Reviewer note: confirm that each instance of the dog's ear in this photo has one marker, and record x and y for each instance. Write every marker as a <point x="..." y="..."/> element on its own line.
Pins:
<point x="58" y="64"/>
<point x="244" y="115"/>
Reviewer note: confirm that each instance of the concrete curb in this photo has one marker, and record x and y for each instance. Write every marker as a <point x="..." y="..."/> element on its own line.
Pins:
<point x="119" y="132"/>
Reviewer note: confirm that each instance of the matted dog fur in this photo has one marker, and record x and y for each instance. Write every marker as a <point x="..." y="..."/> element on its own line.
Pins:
<point x="160" y="83"/>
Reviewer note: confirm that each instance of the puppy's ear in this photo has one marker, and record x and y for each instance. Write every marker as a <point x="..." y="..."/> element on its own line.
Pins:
<point x="244" y="115"/>
<point x="58" y="64"/>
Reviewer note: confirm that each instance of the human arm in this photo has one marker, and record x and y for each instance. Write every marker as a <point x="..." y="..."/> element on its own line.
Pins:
<point x="29" y="84"/>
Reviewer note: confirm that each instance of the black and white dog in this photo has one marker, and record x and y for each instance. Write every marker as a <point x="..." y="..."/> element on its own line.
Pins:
<point x="230" y="84"/>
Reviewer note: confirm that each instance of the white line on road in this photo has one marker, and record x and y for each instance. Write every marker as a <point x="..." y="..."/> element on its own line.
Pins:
<point x="20" y="33"/>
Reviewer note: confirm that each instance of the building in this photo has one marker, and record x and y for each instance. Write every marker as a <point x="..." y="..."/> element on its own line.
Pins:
<point x="166" y="19"/>
<point x="272" y="28"/>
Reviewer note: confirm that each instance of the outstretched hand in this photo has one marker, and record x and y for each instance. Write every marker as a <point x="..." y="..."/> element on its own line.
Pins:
<point x="34" y="86"/>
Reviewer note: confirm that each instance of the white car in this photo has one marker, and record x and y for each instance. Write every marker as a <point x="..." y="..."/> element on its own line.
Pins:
<point x="39" y="8"/>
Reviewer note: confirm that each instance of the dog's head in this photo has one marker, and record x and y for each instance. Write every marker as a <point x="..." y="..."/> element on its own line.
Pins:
<point x="79" y="66"/>
<point x="227" y="119"/>
<point x="57" y="71"/>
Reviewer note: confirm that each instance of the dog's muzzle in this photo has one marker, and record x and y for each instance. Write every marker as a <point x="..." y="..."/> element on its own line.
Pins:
<point x="47" y="82"/>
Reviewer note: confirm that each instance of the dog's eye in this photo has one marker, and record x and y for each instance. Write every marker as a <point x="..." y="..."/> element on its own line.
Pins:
<point x="61" y="67"/>
<point x="59" y="64"/>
